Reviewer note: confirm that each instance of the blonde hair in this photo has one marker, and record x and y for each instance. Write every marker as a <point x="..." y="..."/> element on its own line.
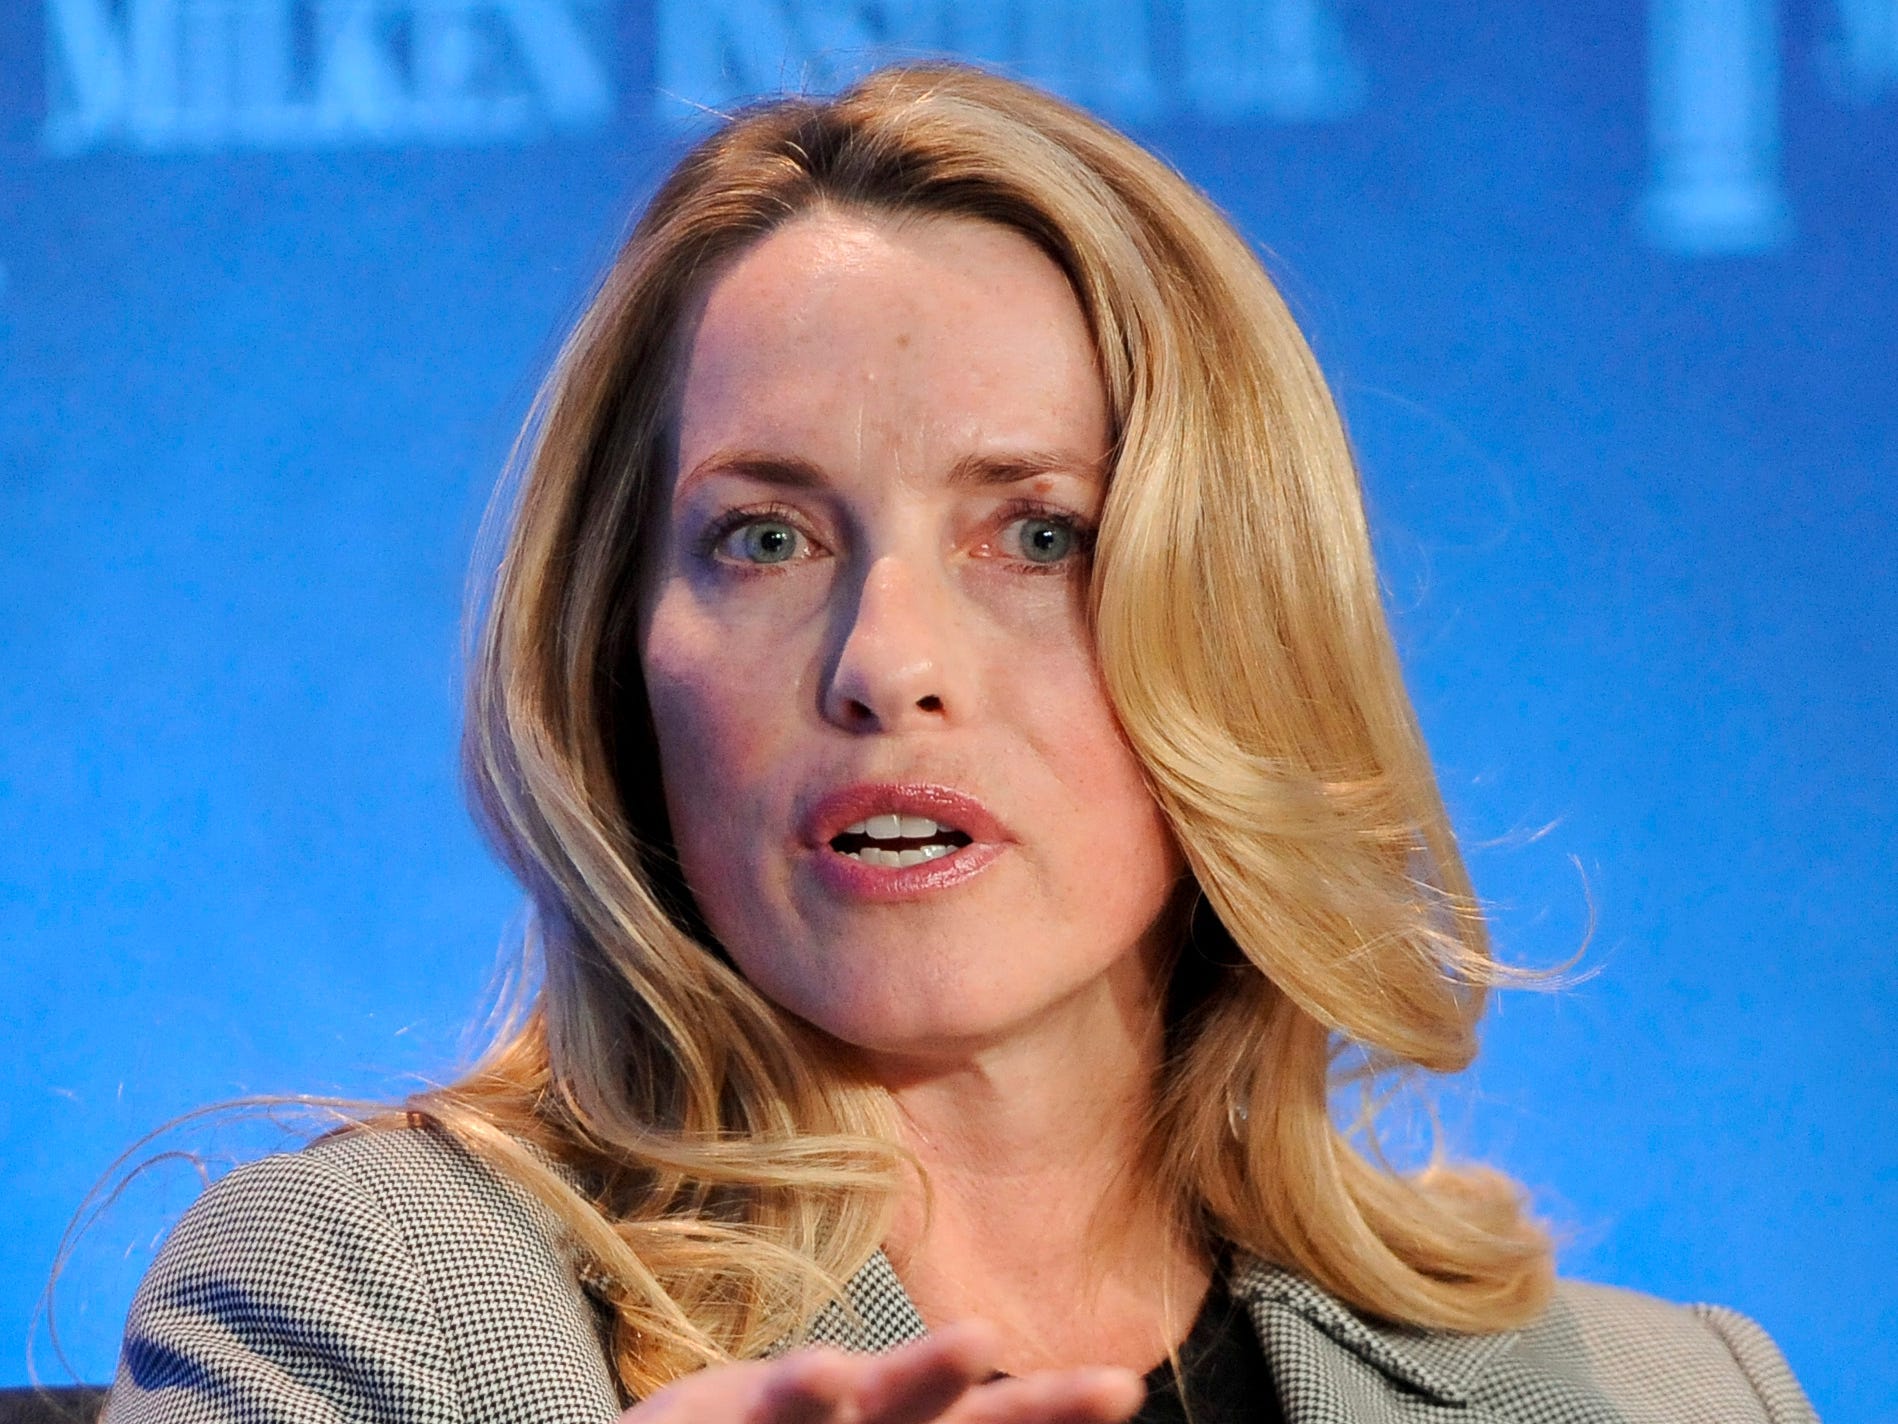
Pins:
<point x="718" y="1169"/>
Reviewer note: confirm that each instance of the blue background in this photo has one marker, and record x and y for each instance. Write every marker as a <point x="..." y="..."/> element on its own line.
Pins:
<point x="1631" y="475"/>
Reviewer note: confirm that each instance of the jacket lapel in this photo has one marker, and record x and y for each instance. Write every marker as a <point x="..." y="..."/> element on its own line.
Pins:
<point x="1332" y="1365"/>
<point x="1335" y="1367"/>
<point x="875" y="1315"/>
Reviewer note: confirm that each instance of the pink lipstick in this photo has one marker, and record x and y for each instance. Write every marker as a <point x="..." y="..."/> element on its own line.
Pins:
<point x="896" y="841"/>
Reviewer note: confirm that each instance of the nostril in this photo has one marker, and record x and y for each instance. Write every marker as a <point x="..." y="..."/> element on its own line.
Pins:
<point x="931" y="703"/>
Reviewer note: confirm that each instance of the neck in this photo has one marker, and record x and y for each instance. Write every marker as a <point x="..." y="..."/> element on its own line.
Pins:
<point x="1030" y="1207"/>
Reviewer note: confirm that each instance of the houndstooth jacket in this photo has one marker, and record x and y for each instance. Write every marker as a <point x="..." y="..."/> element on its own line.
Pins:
<point x="389" y="1278"/>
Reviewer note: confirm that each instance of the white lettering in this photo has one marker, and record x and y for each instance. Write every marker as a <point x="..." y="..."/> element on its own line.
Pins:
<point x="265" y="74"/>
<point x="171" y="74"/>
<point x="565" y="70"/>
<point x="714" y="53"/>
<point x="358" y="90"/>
<point x="1280" y="59"/>
<point x="1864" y="57"/>
<point x="1714" y="127"/>
<point x="153" y="110"/>
<point x="86" y="74"/>
<point x="1097" y="52"/>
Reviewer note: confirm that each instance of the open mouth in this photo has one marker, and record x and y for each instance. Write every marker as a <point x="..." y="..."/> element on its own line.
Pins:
<point x="894" y="841"/>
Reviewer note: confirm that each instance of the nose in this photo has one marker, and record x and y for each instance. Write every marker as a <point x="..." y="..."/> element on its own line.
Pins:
<point x="899" y="664"/>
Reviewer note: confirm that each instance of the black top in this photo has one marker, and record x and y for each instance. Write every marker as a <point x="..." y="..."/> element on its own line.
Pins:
<point x="61" y="1404"/>
<point x="1227" y="1380"/>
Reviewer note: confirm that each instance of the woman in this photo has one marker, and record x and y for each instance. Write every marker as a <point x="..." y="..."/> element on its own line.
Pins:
<point x="937" y="698"/>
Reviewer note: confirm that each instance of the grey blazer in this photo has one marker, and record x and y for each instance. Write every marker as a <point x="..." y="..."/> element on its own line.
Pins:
<point x="389" y="1278"/>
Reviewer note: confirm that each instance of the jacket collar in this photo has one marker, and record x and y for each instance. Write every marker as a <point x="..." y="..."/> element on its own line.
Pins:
<point x="878" y="1315"/>
<point x="1442" y="1365"/>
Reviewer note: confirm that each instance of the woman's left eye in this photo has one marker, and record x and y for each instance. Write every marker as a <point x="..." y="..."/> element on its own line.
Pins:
<point x="1045" y="539"/>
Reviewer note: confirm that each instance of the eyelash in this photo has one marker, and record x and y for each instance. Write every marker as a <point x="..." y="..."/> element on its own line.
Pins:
<point x="1017" y="510"/>
<point x="732" y="520"/>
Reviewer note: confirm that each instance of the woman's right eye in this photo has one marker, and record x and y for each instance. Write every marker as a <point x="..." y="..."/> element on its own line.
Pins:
<point x="759" y="540"/>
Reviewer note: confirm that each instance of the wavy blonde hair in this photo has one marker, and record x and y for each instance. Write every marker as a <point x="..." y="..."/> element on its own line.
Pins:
<point x="718" y="1168"/>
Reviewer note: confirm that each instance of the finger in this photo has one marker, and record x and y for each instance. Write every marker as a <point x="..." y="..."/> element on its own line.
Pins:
<point x="814" y="1386"/>
<point x="730" y="1392"/>
<point x="725" y="1385"/>
<point x="921" y="1381"/>
<point x="1088" y="1396"/>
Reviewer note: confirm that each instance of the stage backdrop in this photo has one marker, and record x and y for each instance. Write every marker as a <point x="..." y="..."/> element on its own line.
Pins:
<point x="1608" y="293"/>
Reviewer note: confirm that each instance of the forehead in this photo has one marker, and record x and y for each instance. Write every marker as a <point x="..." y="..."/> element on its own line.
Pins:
<point x="891" y="331"/>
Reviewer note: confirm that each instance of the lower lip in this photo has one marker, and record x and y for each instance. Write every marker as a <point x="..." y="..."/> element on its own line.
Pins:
<point x="845" y="875"/>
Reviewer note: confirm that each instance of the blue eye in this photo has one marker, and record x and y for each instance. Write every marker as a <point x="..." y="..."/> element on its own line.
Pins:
<point x="766" y="541"/>
<point x="1047" y="541"/>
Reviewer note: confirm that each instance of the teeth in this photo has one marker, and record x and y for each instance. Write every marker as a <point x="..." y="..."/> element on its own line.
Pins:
<point x="898" y="859"/>
<point x="892" y="827"/>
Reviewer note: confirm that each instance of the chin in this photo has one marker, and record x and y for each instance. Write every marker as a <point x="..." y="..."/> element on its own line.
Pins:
<point x="939" y="1025"/>
<point x="879" y="1030"/>
<point x="862" y="1011"/>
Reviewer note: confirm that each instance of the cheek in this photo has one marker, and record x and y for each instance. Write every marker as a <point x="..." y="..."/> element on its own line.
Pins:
<point x="1128" y="843"/>
<point x="1060" y="700"/>
<point x="710" y="724"/>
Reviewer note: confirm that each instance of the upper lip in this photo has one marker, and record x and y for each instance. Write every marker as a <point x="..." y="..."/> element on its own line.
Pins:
<point x="836" y="810"/>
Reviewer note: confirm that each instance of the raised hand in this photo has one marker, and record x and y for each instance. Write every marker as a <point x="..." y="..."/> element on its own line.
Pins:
<point x="943" y="1379"/>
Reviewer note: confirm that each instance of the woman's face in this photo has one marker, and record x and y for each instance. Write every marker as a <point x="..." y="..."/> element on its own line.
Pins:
<point x="897" y="790"/>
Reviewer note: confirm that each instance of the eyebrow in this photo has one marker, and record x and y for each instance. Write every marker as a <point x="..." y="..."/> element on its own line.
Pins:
<point x="980" y="470"/>
<point x="784" y="471"/>
<point x="970" y="472"/>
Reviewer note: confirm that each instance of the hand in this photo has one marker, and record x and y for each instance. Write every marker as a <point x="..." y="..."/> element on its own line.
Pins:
<point x="938" y="1380"/>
